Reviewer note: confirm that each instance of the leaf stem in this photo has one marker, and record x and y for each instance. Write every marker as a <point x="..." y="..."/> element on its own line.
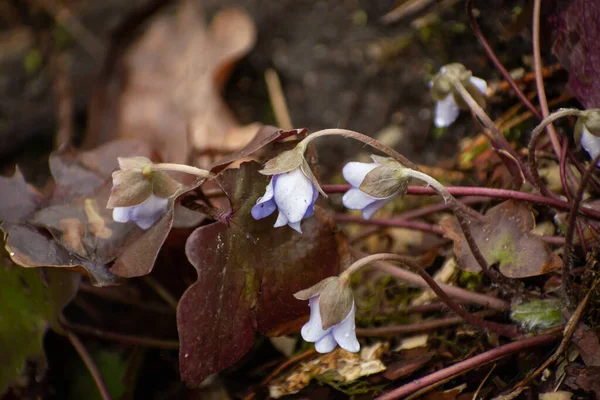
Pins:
<point x="456" y="292"/>
<point x="90" y="365"/>
<point x="501" y="329"/>
<point x="499" y="141"/>
<point x="469" y="364"/>
<point x="539" y="78"/>
<point x="536" y="134"/>
<point x="570" y="232"/>
<point x="492" y="56"/>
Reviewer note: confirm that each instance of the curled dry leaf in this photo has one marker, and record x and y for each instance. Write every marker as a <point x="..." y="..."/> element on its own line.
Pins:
<point x="504" y="238"/>
<point x="338" y="366"/>
<point x="247" y="274"/>
<point x="73" y="228"/>
<point x="172" y="80"/>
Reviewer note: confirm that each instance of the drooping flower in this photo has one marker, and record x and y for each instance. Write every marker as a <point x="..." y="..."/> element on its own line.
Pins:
<point x="332" y="312"/>
<point x="293" y="190"/>
<point x="448" y="102"/>
<point x="145" y="214"/>
<point x="140" y="194"/>
<point x="293" y="194"/>
<point x="373" y="184"/>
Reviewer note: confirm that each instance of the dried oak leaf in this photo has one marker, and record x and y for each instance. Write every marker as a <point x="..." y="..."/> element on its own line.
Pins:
<point x="172" y="77"/>
<point x="247" y="273"/>
<point x="505" y="238"/>
<point x="578" y="49"/>
<point x="583" y="378"/>
<point x="30" y="302"/>
<point x="74" y="229"/>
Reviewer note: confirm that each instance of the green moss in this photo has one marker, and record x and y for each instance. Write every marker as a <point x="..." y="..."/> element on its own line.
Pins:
<point x="33" y="62"/>
<point x="538" y="314"/>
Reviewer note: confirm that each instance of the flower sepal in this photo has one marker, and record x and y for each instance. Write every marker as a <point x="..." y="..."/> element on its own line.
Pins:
<point x="335" y="300"/>
<point x="388" y="179"/>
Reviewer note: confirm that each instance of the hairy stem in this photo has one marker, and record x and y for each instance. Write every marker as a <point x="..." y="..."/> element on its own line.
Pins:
<point x="361" y="138"/>
<point x="456" y="292"/>
<point x="499" y="141"/>
<point x="188" y="169"/>
<point x="492" y="56"/>
<point x="539" y="78"/>
<point x="501" y="329"/>
<point x="536" y="134"/>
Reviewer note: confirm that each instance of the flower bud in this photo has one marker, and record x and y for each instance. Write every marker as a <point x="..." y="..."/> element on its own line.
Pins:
<point x="587" y="132"/>
<point x="386" y="180"/>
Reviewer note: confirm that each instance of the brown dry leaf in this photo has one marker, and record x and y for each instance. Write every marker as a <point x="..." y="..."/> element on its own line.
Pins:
<point x="504" y="238"/>
<point x="172" y="77"/>
<point x="339" y="365"/>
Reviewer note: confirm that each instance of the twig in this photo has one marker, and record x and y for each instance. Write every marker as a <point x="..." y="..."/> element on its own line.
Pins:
<point x="483" y="382"/>
<point x="539" y="79"/>
<point x="396" y="223"/>
<point x="567" y="334"/>
<point x="419" y="326"/>
<point x="570" y="231"/>
<point x="492" y="56"/>
<point x="90" y="364"/>
<point x="501" y="329"/>
<point x="280" y="108"/>
<point x="466" y="365"/>
<point x="120" y="337"/>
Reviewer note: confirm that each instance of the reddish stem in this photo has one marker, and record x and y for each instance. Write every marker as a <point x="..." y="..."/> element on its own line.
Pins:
<point x="469" y="364"/>
<point x="492" y="56"/>
<point x="503" y="194"/>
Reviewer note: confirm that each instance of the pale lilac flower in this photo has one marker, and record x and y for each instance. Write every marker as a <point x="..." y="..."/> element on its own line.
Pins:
<point x="590" y="143"/>
<point x="356" y="199"/>
<point x="145" y="214"/>
<point x="293" y="194"/>
<point x="342" y="333"/>
<point x="446" y="109"/>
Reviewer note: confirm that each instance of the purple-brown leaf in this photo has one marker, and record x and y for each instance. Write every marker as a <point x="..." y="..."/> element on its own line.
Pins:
<point x="247" y="274"/>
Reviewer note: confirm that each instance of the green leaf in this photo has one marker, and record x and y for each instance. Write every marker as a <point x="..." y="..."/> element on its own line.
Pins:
<point x="30" y="301"/>
<point x="538" y="314"/>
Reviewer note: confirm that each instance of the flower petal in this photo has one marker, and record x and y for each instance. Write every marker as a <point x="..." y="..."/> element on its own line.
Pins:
<point x="293" y="194"/>
<point x="479" y="84"/>
<point x="312" y="331"/>
<point x="281" y="220"/>
<point x="446" y="112"/>
<point x="355" y="172"/>
<point x="325" y="344"/>
<point x="375" y="206"/>
<point x="122" y="214"/>
<point x="296" y="226"/>
<point x="265" y="204"/>
<point x="590" y="143"/>
<point x="311" y="208"/>
<point x="147" y="213"/>
<point x="355" y="199"/>
<point x="344" y="333"/>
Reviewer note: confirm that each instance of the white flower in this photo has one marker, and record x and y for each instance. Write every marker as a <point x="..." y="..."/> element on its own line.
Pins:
<point x="145" y="214"/>
<point x="293" y="194"/>
<point x="446" y="109"/>
<point x="356" y="199"/>
<point x="342" y="334"/>
<point x="590" y="143"/>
